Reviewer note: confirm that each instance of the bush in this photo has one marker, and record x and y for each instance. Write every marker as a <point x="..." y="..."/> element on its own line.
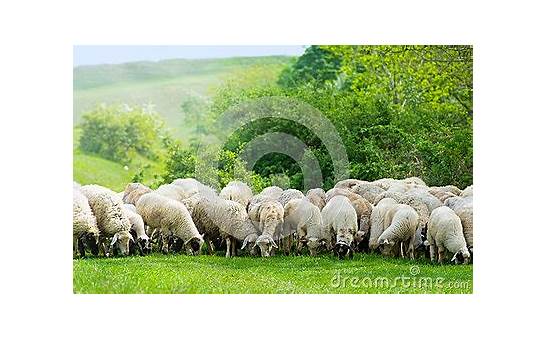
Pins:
<point x="119" y="133"/>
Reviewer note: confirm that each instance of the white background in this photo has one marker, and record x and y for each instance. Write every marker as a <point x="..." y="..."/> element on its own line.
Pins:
<point x="36" y="170"/>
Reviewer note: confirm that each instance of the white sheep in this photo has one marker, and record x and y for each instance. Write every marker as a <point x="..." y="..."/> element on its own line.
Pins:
<point x="288" y="195"/>
<point x="384" y="183"/>
<point x="377" y="221"/>
<point x="368" y="191"/>
<point x="339" y="217"/>
<point x="191" y="186"/>
<point x="464" y="209"/>
<point x="317" y="197"/>
<point x="111" y="220"/>
<point x="138" y="231"/>
<point x="414" y="181"/>
<point x="306" y="219"/>
<point x="171" y="218"/>
<point x="268" y="218"/>
<point x="172" y="191"/>
<point x="226" y="219"/>
<point x="445" y="232"/>
<point x="403" y="222"/>
<point x="85" y="231"/>
<point x="237" y="191"/>
<point x="348" y="183"/>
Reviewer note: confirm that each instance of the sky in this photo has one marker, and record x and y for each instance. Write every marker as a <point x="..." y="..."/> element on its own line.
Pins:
<point x="94" y="55"/>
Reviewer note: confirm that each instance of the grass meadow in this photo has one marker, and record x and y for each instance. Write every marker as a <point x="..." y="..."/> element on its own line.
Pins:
<point x="159" y="273"/>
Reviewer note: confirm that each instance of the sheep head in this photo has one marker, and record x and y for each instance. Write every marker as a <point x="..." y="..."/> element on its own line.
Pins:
<point x="462" y="256"/>
<point x="193" y="245"/>
<point x="266" y="245"/>
<point x="121" y="242"/>
<point x="91" y="241"/>
<point x="343" y="249"/>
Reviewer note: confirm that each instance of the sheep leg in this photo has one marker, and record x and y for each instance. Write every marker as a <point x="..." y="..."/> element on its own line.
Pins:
<point x="441" y="253"/>
<point x="81" y="248"/>
<point x="432" y="252"/>
<point x="411" y="247"/>
<point x="228" y="247"/>
<point x="234" y="248"/>
<point x="402" y="249"/>
<point x="211" y="247"/>
<point x="164" y="243"/>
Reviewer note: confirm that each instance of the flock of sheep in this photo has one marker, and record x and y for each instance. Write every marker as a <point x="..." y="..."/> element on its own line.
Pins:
<point x="401" y="218"/>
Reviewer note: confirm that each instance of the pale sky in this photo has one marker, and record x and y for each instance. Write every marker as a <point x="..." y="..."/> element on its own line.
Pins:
<point x="94" y="55"/>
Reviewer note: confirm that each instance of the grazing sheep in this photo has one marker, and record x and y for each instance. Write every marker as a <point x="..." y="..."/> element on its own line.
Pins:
<point x="304" y="217"/>
<point x="268" y="216"/>
<point x="288" y="195"/>
<point x="425" y="197"/>
<point x="134" y="191"/>
<point x="468" y="192"/>
<point x="403" y="222"/>
<point x="138" y="232"/>
<point x="317" y="197"/>
<point x="464" y="209"/>
<point x="272" y="191"/>
<point x="446" y="189"/>
<point x="377" y="221"/>
<point x="363" y="211"/>
<point x="225" y="219"/>
<point x="387" y="194"/>
<point x="339" y="217"/>
<point x="445" y="232"/>
<point x="384" y="183"/>
<point x="170" y="218"/>
<point x="237" y="191"/>
<point x="111" y="220"/>
<point x="457" y="202"/>
<point x="441" y="194"/>
<point x="348" y="183"/>
<point x="85" y="231"/>
<point x="415" y="181"/>
<point x="368" y="191"/>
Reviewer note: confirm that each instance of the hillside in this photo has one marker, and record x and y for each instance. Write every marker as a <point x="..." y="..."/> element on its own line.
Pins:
<point x="163" y="84"/>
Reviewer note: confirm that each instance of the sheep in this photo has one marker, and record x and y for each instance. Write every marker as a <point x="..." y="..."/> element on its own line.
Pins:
<point x="348" y="183"/>
<point x="445" y="232"/>
<point x="363" y="211"/>
<point x="272" y="191"/>
<point x="268" y="218"/>
<point x="227" y="220"/>
<point x="377" y="221"/>
<point x="306" y="219"/>
<point x="138" y="232"/>
<point x="85" y="231"/>
<point x="170" y="217"/>
<point x="441" y="194"/>
<point x="191" y="186"/>
<point x="111" y="220"/>
<point x="415" y="181"/>
<point x="425" y="197"/>
<point x="403" y="222"/>
<point x="339" y="217"/>
<point x="133" y="191"/>
<point x="288" y="195"/>
<point x="172" y="191"/>
<point x="367" y="190"/>
<point x="384" y="183"/>
<point x="463" y="207"/>
<point x="237" y="191"/>
<point x="448" y="188"/>
<point x="467" y="192"/>
<point x="317" y="197"/>
<point x="387" y="194"/>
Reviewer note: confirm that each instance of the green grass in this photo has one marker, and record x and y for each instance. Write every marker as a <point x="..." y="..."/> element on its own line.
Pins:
<point x="280" y="274"/>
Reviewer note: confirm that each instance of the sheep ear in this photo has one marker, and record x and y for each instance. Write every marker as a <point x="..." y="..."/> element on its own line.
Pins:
<point x="114" y="239"/>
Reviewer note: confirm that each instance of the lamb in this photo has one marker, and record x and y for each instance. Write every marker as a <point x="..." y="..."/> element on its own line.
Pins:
<point x="268" y="217"/>
<point x="339" y="218"/>
<point x="403" y="221"/>
<point x="85" y="231"/>
<point x="225" y="219"/>
<point x="288" y="195"/>
<point x="134" y="191"/>
<point x="445" y="232"/>
<point x="377" y="221"/>
<point x="170" y="217"/>
<point x="111" y="220"/>
<point x="306" y="219"/>
<point x="138" y="232"/>
<point x="367" y="190"/>
<point x="317" y="197"/>
<point x="237" y="191"/>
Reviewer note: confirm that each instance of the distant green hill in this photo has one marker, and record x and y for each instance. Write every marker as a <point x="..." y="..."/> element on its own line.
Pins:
<point x="164" y="84"/>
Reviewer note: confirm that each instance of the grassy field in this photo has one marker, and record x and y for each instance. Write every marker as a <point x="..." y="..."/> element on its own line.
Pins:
<point x="280" y="274"/>
<point x="164" y="84"/>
